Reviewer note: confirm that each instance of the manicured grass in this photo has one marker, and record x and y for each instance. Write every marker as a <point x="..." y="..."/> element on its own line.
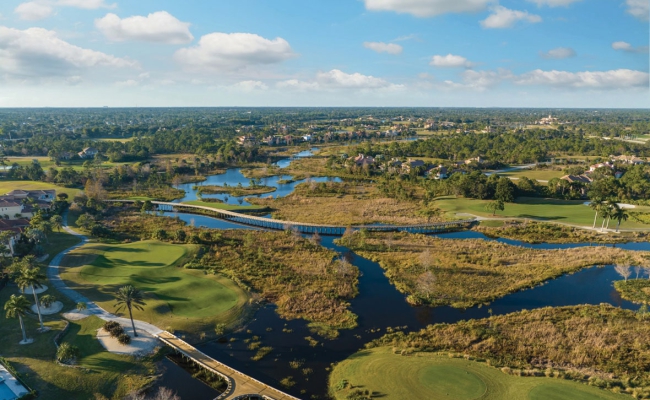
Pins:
<point x="430" y="376"/>
<point x="222" y="206"/>
<point x="8" y="186"/>
<point x="565" y="211"/>
<point x="181" y="298"/>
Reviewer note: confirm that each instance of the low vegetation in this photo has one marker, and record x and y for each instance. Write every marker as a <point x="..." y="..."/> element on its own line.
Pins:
<point x="463" y="273"/>
<point x="347" y="204"/>
<point x="540" y="232"/>
<point x="236" y="191"/>
<point x="602" y="346"/>
<point x="634" y="290"/>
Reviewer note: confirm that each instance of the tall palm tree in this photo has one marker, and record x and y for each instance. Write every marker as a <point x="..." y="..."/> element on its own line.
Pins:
<point x="17" y="306"/>
<point x="32" y="277"/>
<point x="596" y="204"/>
<point x="129" y="297"/>
<point x="613" y="207"/>
<point x="620" y="215"/>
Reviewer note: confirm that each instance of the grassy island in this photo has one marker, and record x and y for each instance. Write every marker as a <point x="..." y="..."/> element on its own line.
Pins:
<point x="463" y="273"/>
<point x="564" y="353"/>
<point x="236" y="191"/>
<point x="634" y="290"/>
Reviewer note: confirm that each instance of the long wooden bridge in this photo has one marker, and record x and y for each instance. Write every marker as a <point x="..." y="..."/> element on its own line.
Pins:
<point x="240" y="385"/>
<point x="302" y="227"/>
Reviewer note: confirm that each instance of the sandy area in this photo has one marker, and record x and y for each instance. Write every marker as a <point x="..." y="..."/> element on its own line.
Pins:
<point x="56" y="307"/>
<point x="76" y="315"/>
<point x="141" y="345"/>
<point x="38" y="290"/>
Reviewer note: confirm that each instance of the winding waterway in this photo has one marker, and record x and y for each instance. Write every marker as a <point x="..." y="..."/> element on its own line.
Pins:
<point x="378" y="306"/>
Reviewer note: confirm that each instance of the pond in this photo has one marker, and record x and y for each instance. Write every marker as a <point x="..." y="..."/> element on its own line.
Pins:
<point x="234" y="177"/>
<point x="379" y="306"/>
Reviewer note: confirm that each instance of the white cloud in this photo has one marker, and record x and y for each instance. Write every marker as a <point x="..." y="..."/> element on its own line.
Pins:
<point x="249" y="86"/>
<point x="217" y="52"/>
<point x="638" y="8"/>
<point x="298" y="85"/>
<point x="38" y="52"/>
<point x="158" y="27"/>
<point x="40" y="9"/>
<point x="553" y="3"/>
<point x="339" y="79"/>
<point x="428" y="8"/>
<point x="614" y="79"/>
<point x="128" y="83"/>
<point x="559" y="53"/>
<point x="625" y="46"/>
<point x="381" y="47"/>
<point x="34" y="11"/>
<point x="450" y="61"/>
<point x="502" y="17"/>
<point x="479" y="80"/>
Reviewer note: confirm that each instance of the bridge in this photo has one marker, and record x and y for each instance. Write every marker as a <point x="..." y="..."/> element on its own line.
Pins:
<point x="240" y="386"/>
<point x="302" y="227"/>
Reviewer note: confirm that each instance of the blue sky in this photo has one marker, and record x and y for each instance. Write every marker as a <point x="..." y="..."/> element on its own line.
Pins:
<point x="484" y="53"/>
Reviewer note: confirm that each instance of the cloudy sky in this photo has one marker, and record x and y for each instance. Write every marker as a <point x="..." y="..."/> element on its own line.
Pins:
<point x="486" y="53"/>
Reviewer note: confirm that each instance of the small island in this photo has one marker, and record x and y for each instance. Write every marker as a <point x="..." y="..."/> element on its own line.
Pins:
<point x="236" y="191"/>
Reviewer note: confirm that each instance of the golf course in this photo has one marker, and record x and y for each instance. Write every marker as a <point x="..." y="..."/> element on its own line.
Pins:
<point x="176" y="298"/>
<point x="573" y="212"/>
<point x="431" y="376"/>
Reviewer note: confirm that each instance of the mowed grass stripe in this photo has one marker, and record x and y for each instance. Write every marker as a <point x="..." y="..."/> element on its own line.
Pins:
<point x="428" y="376"/>
<point x="174" y="294"/>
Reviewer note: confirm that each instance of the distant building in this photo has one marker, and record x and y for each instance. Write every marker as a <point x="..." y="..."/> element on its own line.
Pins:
<point x="15" y="226"/>
<point x="547" y="121"/>
<point x="39" y="195"/>
<point x="88" y="152"/>
<point x="362" y="160"/>
<point x="577" y="178"/>
<point x="478" y="160"/>
<point x="412" y="164"/>
<point x="246" y="140"/>
<point x="628" y="159"/>
<point x="439" y="172"/>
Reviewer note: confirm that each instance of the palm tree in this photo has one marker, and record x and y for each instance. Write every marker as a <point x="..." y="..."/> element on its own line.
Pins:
<point x="81" y="306"/>
<point x="56" y="222"/>
<point x="596" y="205"/>
<point x="17" y="306"/>
<point x="32" y="277"/>
<point x="620" y="215"/>
<point x="613" y="207"/>
<point x="129" y="297"/>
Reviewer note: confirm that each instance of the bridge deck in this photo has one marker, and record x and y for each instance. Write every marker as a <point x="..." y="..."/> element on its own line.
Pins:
<point x="239" y="385"/>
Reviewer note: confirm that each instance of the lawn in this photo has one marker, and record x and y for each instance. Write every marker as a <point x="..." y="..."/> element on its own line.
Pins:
<point x="176" y="298"/>
<point x="222" y="206"/>
<point x="8" y="186"/>
<point x="566" y="211"/>
<point x="536" y="174"/>
<point x="430" y="376"/>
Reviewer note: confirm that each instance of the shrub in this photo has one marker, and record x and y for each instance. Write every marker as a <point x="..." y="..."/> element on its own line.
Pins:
<point x="180" y="235"/>
<point x="124" y="339"/>
<point x="100" y="231"/>
<point x="160" y="234"/>
<point x="113" y="328"/>
<point x="67" y="353"/>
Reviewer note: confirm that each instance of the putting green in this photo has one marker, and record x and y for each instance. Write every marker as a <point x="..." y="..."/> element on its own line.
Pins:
<point x="430" y="376"/>
<point x="173" y="295"/>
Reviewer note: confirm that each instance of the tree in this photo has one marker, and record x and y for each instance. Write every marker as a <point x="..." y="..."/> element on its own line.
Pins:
<point x="48" y="300"/>
<point x="67" y="353"/>
<point x="16" y="307"/>
<point x="180" y="236"/>
<point x="596" y="204"/>
<point x="495" y="206"/>
<point x="427" y="284"/>
<point x="86" y="222"/>
<point x="81" y="306"/>
<point x="129" y="297"/>
<point x="620" y="215"/>
<point x="56" y="222"/>
<point x="147" y="206"/>
<point x="32" y="277"/>
<point x="505" y="191"/>
<point x="623" y="270"/>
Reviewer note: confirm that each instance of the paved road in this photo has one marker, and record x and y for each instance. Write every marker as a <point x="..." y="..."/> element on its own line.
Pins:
<point x="239" y="384"/>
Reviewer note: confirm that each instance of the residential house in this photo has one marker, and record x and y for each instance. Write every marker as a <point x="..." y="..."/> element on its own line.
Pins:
<point x="362" y="160"/>
<point x="479" y="160"/>
<point x="15" y="226"/>
<point x="439" y="172"/>
<point x="606" y="164"/>
<point x="412" y="164"/>
<point x="246" y="140"/>
<point x="88" y="152"/>
<point x="628" y="159"/>
<point x="577" y="178"/>
<point x="38" y="195"/>
<point x="10" y="207"/>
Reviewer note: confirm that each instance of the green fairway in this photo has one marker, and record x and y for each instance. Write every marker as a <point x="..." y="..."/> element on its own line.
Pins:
<point x="176" y="297"/>
<point x="539" y="175"/>
<point x="8" y="186"/>
<point x="222" y="206"/>
<point x="429" y="376"/>
<point x="566" y="211"/>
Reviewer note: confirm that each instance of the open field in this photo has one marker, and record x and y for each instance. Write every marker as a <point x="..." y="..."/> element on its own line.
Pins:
<point x="463" y="273"/>
<point x="8" y="186"/>
<point x="564" y="211"/>
<point x="535" y="174"/>
<point x="178" y="298"/>
<point x="222" y="206"/>
<point x="599" y="345"/>
<point x="432" y="376"/>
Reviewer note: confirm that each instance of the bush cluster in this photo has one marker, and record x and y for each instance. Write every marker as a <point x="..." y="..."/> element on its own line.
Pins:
<point x="114" y="329"/>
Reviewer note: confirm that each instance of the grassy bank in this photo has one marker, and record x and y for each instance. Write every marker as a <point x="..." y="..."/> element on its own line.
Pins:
<point x="181" y="299"/>
<point x="222" y="206"/>
<point x="392" y="376"/>
<point x="463" y="273"/>
<point x="634" y="290"/>
<point x="552" y="210"/>
<point x="539" y="232"/>
<point x="302" y="278"/>
<point x="601" y="346"/>
<point x="236" y="191"/>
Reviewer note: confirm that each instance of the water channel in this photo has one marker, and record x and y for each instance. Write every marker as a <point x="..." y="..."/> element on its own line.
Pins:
<point x="378" y="306"/>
